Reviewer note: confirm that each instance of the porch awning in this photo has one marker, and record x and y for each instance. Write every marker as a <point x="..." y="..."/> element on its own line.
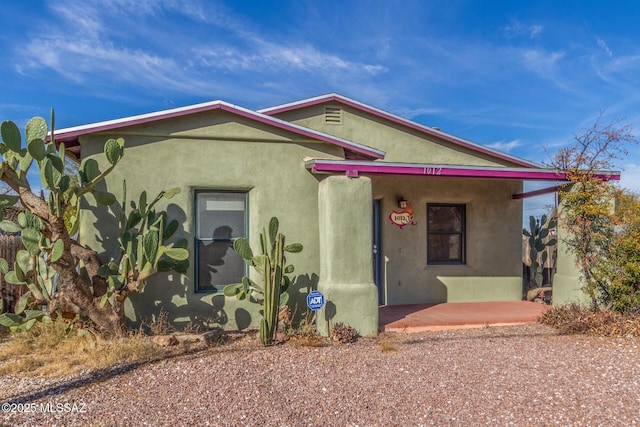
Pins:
<point x="355" y="168"/>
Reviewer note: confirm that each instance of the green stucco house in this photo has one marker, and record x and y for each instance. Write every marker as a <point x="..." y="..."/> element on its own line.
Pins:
<point x="389" y="211"/>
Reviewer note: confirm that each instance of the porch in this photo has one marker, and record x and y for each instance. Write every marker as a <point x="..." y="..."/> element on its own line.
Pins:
<point x="434" y="317"/>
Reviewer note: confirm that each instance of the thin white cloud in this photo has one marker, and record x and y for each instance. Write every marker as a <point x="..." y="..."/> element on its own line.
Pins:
<point x="517" y="29"/>
<point x="269" y="56"/>
<point x="621" y="64"/>
<point x="88" y="58"/>
<point x="83" y="15"/>
<point x="83" y="45"/>
<point x="603" y="46"/>
<point x="422" y="111"/>
<point x="541" y="61"/>
<point x="505" y="146"/>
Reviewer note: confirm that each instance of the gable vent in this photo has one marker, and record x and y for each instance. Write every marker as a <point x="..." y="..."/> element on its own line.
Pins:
<point x="333" y="115"/>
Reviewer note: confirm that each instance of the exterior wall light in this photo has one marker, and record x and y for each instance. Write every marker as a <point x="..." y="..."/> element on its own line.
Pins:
<point x="402" y="203"/>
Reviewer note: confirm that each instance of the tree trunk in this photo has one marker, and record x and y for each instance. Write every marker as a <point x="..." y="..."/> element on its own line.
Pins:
<point x="73" y="292"/>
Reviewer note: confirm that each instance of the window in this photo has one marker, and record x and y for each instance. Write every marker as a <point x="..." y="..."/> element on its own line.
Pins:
<point x="220" y="219"/>
<point x="445" y="234"/>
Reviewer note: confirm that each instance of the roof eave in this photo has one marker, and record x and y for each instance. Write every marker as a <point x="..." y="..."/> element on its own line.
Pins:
<point x="354" y="168"/>
<point x="71" y="135"/>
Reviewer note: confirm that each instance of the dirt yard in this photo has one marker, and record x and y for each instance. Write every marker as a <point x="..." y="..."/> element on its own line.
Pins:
<point x="498" y="376"/>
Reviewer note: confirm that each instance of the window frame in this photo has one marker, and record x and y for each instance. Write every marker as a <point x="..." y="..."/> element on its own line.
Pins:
<point x="462" y="233"/>
<point x="197" y="240"/>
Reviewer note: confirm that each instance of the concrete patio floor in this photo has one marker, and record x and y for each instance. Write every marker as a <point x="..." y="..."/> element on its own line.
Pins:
<point x="435" y="317"/>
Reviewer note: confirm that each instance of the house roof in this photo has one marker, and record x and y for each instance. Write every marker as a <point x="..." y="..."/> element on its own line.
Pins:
<point x="70" y="136"/>
<point x="428" y="131"/>
<point x="354" y="168"/>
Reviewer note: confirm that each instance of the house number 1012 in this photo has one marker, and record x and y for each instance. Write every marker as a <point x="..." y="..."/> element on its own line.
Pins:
<point x="432" y="171"/>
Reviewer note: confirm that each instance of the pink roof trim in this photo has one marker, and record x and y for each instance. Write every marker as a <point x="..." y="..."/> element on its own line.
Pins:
<point x="72" y="133"/>
<point x="399" y="120"/>
<point x="353" y="169"/>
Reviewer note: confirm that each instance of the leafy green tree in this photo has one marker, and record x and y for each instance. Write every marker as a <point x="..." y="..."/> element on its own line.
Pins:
<point x="621" y="269"/>
<point x="60" y="273"/>
<point x="587" y="213"/>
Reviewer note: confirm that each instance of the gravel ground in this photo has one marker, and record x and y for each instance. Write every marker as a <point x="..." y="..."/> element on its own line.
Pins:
<point x="520" y="375"/>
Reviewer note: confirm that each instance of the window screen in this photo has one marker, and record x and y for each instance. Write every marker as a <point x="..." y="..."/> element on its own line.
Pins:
<point x="220" y="219"/>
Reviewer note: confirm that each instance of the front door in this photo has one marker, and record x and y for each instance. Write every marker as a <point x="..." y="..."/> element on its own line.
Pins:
<point x="377" y="264"/>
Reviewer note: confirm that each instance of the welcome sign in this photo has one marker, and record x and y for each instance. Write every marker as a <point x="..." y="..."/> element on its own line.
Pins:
<point x="402" y="218"/>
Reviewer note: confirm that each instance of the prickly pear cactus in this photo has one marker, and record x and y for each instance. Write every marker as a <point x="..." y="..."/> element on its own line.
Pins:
<point x="57" y="270"/>
<point x="143" y="248"/>
<point x="539" y="231"/>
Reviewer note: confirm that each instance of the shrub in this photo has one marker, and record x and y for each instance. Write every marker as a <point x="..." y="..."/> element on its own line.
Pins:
<point x="343" y="333"/>
<point x="575" y="319"/>
<point x="160" y="325"/>
<point x="623" y="262"/>
<point x="387" y="342"/>
<point x="586" y="207"/>
<point x="304" y="333"/>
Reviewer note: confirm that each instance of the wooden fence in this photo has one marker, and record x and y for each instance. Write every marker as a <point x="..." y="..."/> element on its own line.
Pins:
<point x="9" y="247"/>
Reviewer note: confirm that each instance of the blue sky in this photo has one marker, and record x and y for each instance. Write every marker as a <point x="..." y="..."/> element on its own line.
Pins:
<point x="517" y="76"/>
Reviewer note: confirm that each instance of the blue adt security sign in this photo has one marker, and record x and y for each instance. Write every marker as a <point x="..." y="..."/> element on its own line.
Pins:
<point x="315" y="300"/>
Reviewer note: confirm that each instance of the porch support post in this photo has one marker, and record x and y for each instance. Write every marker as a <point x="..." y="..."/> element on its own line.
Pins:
<point x="346" y="266"/>
<point x="567" y="287"/>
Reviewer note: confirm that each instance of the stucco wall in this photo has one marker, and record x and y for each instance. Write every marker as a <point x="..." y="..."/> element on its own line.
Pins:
<point x="221" y="151"/>
<point x="400" y="143"/>
<point x="493" y="228"/>
<point x="211" y="152"/>
<point x="346" y="273"/>
<point x="493" y="270"/>
<point x="567" y="285"/>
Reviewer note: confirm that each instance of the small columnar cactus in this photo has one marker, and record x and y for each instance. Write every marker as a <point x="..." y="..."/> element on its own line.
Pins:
<point x="271" y="264"/>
